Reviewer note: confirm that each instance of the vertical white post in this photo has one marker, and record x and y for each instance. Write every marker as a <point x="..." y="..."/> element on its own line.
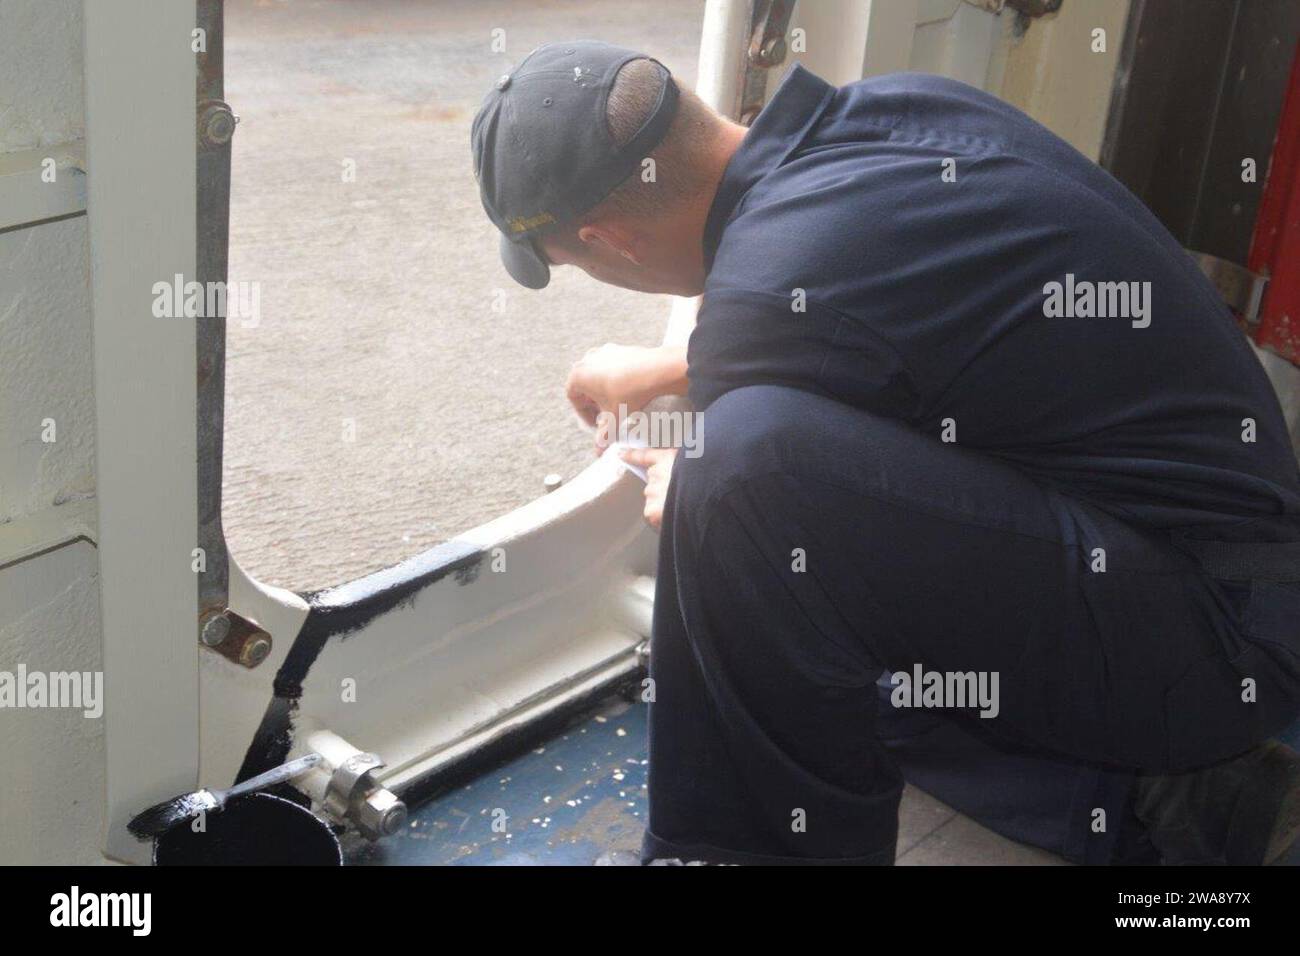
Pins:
<point x="723" y="44"/>
<point x="720" y="77"/>
<point x="846" y="40"/>
<point x="140" y="140"/>
<point x="891" y="27"/>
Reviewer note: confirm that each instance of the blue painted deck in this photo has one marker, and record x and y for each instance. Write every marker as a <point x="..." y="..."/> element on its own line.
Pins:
<point x="582" y="796"/>
<point x="566" y="803"/>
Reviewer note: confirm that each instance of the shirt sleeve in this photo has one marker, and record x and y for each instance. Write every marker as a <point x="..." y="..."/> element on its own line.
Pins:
<point x="761" y="338"/>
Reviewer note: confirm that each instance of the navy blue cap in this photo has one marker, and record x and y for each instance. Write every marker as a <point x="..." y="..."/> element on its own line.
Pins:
<point x="543" y="150"/>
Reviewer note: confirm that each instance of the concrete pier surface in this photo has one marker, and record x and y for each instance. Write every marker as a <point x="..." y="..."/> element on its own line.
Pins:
<point x="396" y="387"/>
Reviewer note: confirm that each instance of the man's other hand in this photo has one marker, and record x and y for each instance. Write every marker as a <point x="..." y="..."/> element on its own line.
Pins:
<point x="658" y="463"/>
<point x="626" y="375"/>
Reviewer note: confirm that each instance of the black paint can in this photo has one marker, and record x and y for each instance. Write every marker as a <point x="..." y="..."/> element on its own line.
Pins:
<point x="256" y="830"/>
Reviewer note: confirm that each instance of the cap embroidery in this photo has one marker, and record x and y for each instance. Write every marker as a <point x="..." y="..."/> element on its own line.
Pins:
<point x="524" y="223"/>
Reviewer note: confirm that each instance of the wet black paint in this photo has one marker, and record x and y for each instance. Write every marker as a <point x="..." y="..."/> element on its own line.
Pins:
<point x="162" y="817"/>
<point x="338" y="612"/>
<point x="254" y="830"/>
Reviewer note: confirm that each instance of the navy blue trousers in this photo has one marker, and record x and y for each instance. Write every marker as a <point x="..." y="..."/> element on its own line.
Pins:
<point x="813" y="546"/>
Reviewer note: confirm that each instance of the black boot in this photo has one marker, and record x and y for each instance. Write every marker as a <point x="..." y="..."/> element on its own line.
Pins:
<point x="1244" y="811"/>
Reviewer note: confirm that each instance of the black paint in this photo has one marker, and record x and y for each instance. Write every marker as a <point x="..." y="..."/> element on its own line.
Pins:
<point x="338" y="612"/>
<point x="255" y="830"/>
<point x="271" y="742"/>
<point x="162" y="817"/>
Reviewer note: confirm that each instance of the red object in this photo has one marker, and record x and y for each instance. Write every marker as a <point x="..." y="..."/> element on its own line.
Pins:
<point x="1275" y="247"/>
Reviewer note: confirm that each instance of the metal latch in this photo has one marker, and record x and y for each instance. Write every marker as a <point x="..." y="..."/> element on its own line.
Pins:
<point x="767" y="48"/>
<point x="353" y="794"/>
<point x="1026" y="8"/>
<point x="1241" y="290"/>
<point x="767" y="42"/>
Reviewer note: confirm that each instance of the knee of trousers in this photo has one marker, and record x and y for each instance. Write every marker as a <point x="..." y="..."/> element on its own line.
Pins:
<point x="750" y="432"/>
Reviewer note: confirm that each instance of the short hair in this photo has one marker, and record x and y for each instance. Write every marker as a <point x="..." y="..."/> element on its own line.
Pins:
<point x="679" y="174"/>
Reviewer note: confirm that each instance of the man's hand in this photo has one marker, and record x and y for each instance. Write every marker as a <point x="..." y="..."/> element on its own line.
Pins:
<point x="628" y="375"/>
<point x="658" y="463"/>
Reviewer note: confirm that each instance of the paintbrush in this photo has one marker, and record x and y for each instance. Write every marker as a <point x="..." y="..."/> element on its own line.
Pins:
<point x="161" y="817"/>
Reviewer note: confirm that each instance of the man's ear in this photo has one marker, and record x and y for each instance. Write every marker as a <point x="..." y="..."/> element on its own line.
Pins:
<point x="621" y="240"/>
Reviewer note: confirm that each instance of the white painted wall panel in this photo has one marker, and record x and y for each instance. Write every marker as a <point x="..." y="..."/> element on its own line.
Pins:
<point x="52" y="807"/>
<point x="45" y="369"/>
<point x="40" y="73"/>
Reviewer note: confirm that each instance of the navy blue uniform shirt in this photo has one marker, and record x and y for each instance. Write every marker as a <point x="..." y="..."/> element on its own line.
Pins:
<point x="841" y="261"/>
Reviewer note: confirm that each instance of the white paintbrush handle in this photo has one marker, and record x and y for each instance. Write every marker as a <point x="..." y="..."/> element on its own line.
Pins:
<point x="271" y="777"/>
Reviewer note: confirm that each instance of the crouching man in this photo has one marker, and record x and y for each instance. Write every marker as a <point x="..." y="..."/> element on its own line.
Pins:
<point x="938" y="441"/>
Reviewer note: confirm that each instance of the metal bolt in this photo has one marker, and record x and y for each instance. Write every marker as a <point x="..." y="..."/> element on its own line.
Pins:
<point x="381" y="813"/>
<point x="216" y="124"/>
<point x="551" y="482"/>
<point x="255" y="650"/>
<point x="771" y="52"/>
<point x="214" y="627"/>
<point x="394" y="819"/>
